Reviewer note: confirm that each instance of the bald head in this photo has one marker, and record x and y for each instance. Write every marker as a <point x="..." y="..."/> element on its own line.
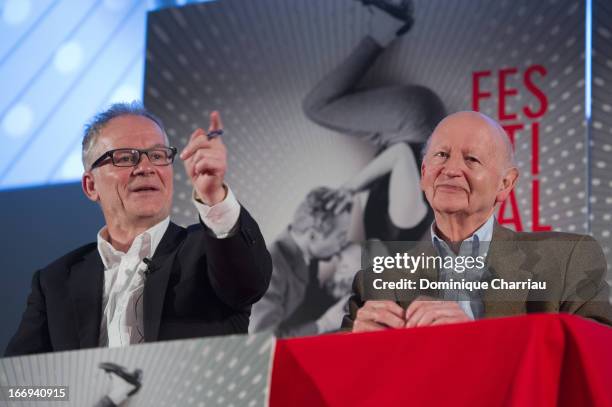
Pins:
<point x="468" y="168"/>
<point x="477" y="123"/>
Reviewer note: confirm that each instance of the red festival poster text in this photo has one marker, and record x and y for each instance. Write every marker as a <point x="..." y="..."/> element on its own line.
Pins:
<point x="524" y="120"/>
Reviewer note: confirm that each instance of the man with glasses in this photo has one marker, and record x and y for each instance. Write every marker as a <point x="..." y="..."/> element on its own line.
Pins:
<point x="147" y="279"/>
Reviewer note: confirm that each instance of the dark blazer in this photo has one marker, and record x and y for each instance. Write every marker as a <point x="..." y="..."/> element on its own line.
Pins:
<point x="573" y="267"/>
<point x="199" y="286"/>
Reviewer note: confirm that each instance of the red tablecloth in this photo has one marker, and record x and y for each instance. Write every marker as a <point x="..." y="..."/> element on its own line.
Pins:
<point x="535" y="360"/>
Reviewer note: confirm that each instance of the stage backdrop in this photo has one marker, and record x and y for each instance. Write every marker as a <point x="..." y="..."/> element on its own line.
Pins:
<point x="313" y="94"/>
<point x="601" y="129"/>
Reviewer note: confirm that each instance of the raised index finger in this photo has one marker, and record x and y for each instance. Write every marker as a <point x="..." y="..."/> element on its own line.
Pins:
<point x="196" y="140"/>
<point x="215" y="121"/>
<point x="216" y="127"/>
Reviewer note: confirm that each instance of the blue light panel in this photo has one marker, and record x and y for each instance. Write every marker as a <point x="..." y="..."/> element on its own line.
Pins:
<point x="60" y="63"/>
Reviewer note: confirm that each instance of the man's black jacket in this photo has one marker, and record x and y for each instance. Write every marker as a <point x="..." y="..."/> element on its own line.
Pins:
<point x="199" y="286"/>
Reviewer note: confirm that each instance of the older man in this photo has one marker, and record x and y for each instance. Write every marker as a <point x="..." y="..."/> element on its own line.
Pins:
<point x="147" y="279"/>
<point x="467" y="170"/>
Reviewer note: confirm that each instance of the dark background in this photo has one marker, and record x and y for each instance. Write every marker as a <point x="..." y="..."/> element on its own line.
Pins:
<point x="38" y="225"/>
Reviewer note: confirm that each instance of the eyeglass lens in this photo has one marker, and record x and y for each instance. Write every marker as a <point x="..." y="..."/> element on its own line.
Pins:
<point x="129" y="157"/>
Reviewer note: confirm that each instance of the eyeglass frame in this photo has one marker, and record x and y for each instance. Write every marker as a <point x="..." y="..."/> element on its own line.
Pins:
<point x="109" y="154"/>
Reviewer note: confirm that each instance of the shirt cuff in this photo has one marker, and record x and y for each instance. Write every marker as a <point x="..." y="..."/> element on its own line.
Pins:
<point x="220" y="218"/>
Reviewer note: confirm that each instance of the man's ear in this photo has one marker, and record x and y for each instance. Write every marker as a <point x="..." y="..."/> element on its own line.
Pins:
<point x="89" y="186"/>
<point x="422" y="175"/>
<point x="507" y="184"/>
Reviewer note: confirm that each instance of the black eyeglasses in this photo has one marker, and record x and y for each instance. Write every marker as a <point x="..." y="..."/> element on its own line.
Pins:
<point x="130" y="157"/>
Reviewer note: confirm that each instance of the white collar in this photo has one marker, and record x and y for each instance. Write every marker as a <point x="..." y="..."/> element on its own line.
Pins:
<point x="144" y="245"/>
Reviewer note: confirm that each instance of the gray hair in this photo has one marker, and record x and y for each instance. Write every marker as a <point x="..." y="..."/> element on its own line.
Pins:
<point x="100" y="120"/>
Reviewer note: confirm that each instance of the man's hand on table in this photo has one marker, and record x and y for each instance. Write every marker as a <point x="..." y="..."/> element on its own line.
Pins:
<point x="426" y="311"/>
<point x="379" y="315"/>
<point x="423" y="311"/>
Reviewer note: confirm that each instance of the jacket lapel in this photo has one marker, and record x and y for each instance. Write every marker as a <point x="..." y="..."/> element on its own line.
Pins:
<point x="156" y="282"/>
<point x="506" y="261"/>
<point x="85" y="286"/>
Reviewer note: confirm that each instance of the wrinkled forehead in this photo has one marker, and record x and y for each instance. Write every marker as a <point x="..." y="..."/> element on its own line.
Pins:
<point x="131" y="131"/>
<point x="468" y="133"/>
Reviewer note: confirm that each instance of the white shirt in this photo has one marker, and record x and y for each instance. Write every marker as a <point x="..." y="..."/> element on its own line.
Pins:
<point x="480" y="240"/>
<point x="122" y="314"/>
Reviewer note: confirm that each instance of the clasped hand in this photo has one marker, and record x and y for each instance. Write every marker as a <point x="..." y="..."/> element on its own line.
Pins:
<point x="423" y="311"/>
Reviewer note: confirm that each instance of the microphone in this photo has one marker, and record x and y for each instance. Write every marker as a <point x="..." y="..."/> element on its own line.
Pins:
<point x="150" y="266"/>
